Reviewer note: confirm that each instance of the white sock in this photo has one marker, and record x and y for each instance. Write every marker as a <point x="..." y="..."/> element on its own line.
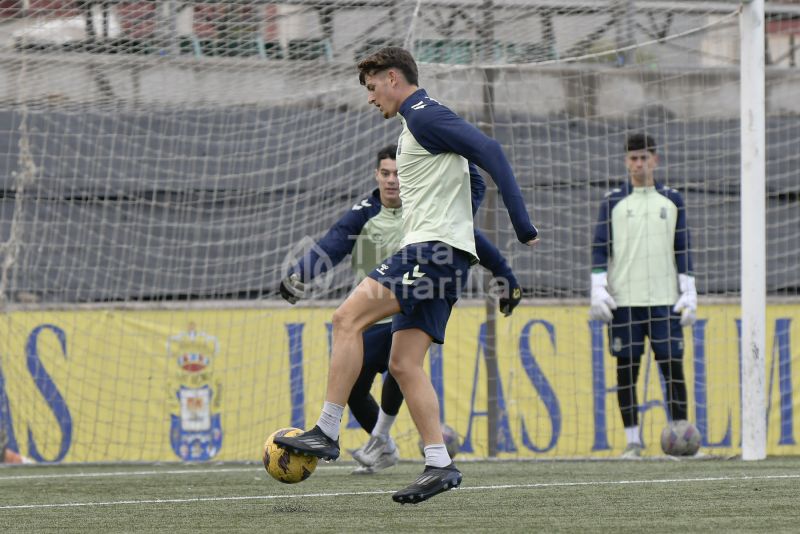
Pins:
<point x="436" y="455"/>
<point x="632" y="435"/>
<point x="330" y="419"/>
<point x="384" y="424"/>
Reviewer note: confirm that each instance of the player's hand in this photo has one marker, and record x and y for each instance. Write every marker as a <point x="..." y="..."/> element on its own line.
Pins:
<point x="292" y="289"/>
<point x="687" y="302"/>
<point x="533" y="242"/>
<point x="602" y="302"/>
<point x="510" y="300"/>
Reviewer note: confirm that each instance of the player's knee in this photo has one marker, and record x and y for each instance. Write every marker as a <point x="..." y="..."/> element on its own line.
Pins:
<point x="344" y="321"/>
<point x="398" y="368"/>
<point x="403" y="369"/>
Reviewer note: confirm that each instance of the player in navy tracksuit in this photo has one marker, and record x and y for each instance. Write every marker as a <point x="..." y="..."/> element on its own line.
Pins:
<point x="369" y="232"/>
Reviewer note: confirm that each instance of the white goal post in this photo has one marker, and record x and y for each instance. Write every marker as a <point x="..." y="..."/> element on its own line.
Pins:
<point x="754" y="231"/>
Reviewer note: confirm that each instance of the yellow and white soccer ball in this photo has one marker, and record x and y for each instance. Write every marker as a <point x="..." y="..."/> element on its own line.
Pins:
<point x="286" y="466"/>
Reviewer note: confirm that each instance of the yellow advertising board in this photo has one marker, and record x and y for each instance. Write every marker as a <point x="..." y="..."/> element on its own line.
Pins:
<point x="194" y="385"/>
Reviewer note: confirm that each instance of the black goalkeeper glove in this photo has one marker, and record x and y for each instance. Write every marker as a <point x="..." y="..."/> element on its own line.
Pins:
<point x="510" y="300"/>
<point x="292" y="289"/>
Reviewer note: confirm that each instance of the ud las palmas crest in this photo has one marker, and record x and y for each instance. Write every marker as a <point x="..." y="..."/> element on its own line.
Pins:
<point x="196" y="430"/>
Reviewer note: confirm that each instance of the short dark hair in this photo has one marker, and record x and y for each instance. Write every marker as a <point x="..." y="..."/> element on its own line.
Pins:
<point x="640" y="141"/>
<point x="387" y="152"/>
<point x="389" y="57"/>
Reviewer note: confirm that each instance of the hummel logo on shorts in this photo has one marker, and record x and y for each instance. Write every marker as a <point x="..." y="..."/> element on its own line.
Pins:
<point x="416" y="273"/>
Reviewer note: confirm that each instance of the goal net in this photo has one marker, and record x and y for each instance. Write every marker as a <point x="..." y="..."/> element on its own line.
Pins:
<point x="165" y="163"/>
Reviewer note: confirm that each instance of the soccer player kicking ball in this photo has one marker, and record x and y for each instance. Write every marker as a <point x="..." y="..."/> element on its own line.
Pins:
<point x="642" y="282"/>
<point x="370" y="231"/>
<point x="421" y="282"/>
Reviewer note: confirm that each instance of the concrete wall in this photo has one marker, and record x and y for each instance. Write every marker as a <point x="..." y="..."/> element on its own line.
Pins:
<point x="578" y="90"/>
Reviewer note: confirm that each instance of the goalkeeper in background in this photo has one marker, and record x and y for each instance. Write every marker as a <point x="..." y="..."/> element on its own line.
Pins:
<point x="642" y="282"/>
<point x="371" y="231"/>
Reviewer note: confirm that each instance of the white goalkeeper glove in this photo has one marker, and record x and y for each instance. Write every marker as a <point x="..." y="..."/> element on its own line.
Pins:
<point x="602" y="302"/>
<point x="292" y="288"/>
<point x="687" y="303"/>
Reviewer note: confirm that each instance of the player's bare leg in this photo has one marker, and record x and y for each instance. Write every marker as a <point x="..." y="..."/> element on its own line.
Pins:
<point x="369" y="302"/>
<point x="406" y="365"/>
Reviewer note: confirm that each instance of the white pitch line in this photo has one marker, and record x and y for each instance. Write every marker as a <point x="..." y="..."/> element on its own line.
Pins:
<point x="195" y="499"/>
<point x="148" y="473"/>
<point x="381" y="492"/>
<point x="624" y="482"/>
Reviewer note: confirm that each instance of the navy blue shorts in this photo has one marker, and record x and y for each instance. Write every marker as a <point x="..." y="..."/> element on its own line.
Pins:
<point x="377" y="347"/>
<point x="659" y="324"/>
<point x="427" y="279"/>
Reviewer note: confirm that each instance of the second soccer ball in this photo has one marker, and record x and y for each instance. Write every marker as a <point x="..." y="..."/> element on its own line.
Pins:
<point x="451" y="441"/>
<point x="680" y="438"/>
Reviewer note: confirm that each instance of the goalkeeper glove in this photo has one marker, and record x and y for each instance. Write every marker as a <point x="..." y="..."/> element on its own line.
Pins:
<point x="512" y="295"/>
<point x="687" y="303"/>
<point x="602" y="302"/>
<point x="292" y="289"/>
